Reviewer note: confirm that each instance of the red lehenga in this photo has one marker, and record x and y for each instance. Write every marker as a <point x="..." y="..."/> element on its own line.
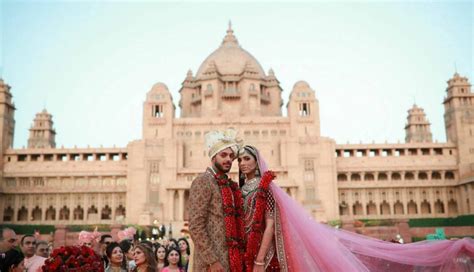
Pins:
<point x="302" y="244"/>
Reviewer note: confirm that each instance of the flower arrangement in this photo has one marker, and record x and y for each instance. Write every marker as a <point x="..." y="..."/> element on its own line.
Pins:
<point x="232" y="202"/>
<point x="73" y="258"/>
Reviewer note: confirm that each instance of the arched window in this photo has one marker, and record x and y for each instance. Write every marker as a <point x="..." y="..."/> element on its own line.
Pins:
<point x="51" y="213"/>
<point x="78" y="213"/>
<point x="106" y="213"/>
<point x="371" y="208"/>
<point x="409" y="176"/>
<point x="369" y="176"/>
<point x="22" y="214"/>
<point x="357" y="208"/>
<point x="8" y="214"/>
<point x="396" y="176"/>
<point x="355" y="177"/>
<point x="64" y="213"/>
<point x="120" y="211"/>
<point x="398" y="207"/>
<point x="422" y="175"/>
<point x="425" y="207"/>
<point x="439" y="206"/>
<point x="452" y="206"/>
<point x="449" y="175"/>
<point x="37" y="214"/>
<point x="341" y="177"/>
<point x="435" y="175"/>
<point x="343" y="208"/>
<point x="384" y="208"/>
<point x="412" y="208"/>
<point x="382" y="176"/>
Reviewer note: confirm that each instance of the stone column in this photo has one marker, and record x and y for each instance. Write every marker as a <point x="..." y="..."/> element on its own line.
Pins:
<point x="43" y="207"/>
<point x="293" y="192"/>
<point x="363" y="200"/>
<point x="171" y="203"/>
<point x="470" y="192"/>
<point x="114" y="229"/>
<point x="432" y="201"/>
<point x="16" y="208"/>
<point x="59" y="236"/>
<point x="181" y="205"/>
<point x="404" y="230"/>
<point x="114" y="206"/>
<point x="350" y="202"/>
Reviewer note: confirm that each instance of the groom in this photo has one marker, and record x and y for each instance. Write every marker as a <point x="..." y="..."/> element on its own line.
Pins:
<point x="215" y="206"/>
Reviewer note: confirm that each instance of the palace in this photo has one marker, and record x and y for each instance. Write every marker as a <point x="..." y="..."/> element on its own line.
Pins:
<point x="148" y="180"/>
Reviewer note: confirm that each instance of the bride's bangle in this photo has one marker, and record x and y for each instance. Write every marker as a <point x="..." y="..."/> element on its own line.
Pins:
<point x="258" y="263"/>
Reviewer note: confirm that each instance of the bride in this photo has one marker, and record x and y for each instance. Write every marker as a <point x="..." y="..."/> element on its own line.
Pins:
<point x="281" y="236"/>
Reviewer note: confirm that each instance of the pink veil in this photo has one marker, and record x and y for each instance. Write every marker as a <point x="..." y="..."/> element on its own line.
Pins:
<point x="311" y="246"/>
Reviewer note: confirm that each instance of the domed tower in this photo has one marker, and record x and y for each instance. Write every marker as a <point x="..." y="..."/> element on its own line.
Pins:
<point x="459" y="121"/>
<point x="418" y="128"/>
<point x="303" y="111"/>
<point x="42" y="133"/>
<point x="158" y="113"/>
<point x="7" y="111"/>
<point x="230" y="82"/>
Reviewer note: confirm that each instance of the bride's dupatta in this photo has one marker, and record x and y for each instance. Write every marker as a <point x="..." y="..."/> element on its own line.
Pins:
<point x="312" y="246"/>
<point x="302" y="244"/>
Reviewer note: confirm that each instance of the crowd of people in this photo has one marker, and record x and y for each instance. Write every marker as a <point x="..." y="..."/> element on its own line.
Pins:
<point x="122" y="255"/>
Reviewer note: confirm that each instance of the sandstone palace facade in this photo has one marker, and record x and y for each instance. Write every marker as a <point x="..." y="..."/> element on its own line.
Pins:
<point x="148" y="181"/>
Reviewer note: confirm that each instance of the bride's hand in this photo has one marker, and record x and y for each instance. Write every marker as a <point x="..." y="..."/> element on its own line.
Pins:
<point x="258" y="268"/>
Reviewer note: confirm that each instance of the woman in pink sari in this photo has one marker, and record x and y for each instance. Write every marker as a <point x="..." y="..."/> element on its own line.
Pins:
<point x="281" y="236"/>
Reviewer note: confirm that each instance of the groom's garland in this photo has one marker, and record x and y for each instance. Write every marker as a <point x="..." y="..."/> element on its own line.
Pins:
<point x="234" y="230"/>
<point x="258" y="224"/>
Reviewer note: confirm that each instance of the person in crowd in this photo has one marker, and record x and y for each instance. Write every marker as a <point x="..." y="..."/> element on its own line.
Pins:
<point x="144" y="259"/>
<point x="7" y="239"/>
<point x="160" y="254"/>
<point x="184" y="249"/>
<point x="127" y="234"/>
<point x="172" y="243"/>
<point x="33" y="263"/>
<point x="105" y="240"/>
<point x="88" y="239"/>
<point x="42" y="249"/>
<point x="12" y="261"/>
<point x="117" y="260"/>
<point x="172" y="261"/>
<point x="127" y="249"/>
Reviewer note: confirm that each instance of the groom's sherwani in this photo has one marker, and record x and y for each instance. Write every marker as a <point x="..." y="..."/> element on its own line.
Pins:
<point x="206" y="223"/>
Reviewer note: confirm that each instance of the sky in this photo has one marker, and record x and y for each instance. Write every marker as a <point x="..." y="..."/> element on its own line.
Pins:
<point x="91" y="63"/>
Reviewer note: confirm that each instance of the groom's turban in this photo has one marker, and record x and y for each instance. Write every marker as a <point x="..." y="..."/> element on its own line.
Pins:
<point x="216" y="141"/>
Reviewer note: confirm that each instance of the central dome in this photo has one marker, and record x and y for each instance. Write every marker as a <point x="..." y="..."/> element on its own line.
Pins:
<point x="230" y="59"/>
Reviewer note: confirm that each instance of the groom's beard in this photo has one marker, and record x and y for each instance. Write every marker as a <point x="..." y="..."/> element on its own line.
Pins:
<point x="222" y="168"/>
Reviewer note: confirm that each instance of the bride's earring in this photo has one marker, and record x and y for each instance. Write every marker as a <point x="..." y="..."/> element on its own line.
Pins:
<point x="257" y="172"/>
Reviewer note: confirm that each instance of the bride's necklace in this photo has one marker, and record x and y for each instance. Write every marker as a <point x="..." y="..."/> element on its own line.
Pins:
<point x="249" y="186"/>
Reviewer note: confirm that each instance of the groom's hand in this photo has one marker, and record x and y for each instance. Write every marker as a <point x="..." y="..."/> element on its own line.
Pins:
<point x="216" y="267"/>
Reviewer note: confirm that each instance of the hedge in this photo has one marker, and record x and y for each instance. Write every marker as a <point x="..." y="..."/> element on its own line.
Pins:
<point x="463" y="220"/>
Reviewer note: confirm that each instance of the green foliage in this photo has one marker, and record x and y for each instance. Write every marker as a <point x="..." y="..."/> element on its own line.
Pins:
<point x="377" y="222"/>
<point x="335" y="223"/>
<point x="29" y="229"/>
<point x="78" y="228"/>
<point x="463" y="220"/>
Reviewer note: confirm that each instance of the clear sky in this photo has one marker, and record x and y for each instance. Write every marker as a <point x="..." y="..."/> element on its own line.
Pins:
<point x="91" y="63"/>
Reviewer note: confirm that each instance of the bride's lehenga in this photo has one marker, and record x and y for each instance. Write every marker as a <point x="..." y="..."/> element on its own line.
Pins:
<point x="275" y="257"/>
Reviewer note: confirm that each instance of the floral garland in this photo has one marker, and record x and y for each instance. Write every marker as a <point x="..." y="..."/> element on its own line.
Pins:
<point x="73" y="258"/>
<point x="232" y="203"/>
<point x="258" y="224"/>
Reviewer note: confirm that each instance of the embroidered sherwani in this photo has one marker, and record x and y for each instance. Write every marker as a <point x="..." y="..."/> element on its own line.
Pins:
<point x="206" y="223"/>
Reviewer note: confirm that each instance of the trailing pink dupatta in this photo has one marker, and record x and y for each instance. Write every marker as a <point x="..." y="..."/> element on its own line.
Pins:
<point x="306" y="245"/>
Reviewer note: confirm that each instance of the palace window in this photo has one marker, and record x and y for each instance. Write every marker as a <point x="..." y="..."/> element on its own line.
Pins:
<point x="158" y="111"/>
<point x="304" y="109"/>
